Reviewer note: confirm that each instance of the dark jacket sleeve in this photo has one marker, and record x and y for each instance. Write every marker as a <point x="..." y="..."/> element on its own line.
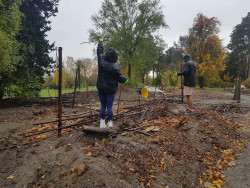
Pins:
<point x="185" y="71"/>
<point x="99" y="51"/>
<point x="118" y="75"/>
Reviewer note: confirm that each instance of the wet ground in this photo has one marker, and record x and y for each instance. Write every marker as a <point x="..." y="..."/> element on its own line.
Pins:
<point x="157" y="146"/>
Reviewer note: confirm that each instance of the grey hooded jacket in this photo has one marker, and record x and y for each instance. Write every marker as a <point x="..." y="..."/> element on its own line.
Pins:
<point x="189" y="71"/>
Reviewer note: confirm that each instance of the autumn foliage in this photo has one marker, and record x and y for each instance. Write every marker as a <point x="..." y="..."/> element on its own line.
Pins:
<point x="206" y="49"/>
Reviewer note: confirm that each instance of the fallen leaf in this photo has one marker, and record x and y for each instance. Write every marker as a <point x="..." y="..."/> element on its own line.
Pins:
<point x="149" y="129"/>
<point x="10" y="177"/>
<point x="124" y="134"/>
<point x="58" y="163"/>
<point x="89" y="153"/>
<point x="131" y="169"/>
<point x="43" y="177"/>
<point x="104" y="140"/>
<point x="152" y="176"/>
<point x="200" y="180"/>
<point x="2" y="139"/>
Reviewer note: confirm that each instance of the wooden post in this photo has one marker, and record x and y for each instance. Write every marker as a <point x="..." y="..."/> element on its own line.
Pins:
<point x="60" y="93"/>
<point x="79" y="77"/>
<point x="118" y="106"/>
<point x="87" y="86"/>
<point x="73" y="104"/>
<point x="182" y="94"/>
<point x="239" y="89"/>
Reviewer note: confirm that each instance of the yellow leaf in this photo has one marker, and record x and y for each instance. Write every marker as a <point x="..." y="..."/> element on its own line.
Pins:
<point x="231" y="164"/>
<point x="70" y="135"/>
<point x="152" y="176"/>
<point x="143" y="179"/>
<point x="57" y="178"/>
<point x="142" y="184"/>
<point x="2" y="139"/>
<point x="104" y="140"/>
<point x="200" y="180"/>
<point x="89" y="153"/>
<point x="146" y="121"/>
<point x="43" y="177"/>
<point x="149" y="184"/>
<point x="58" y="163"/>
<point x="52" y="147"/>
<point x="10" y="177"/>
<point x="131" y="169"/>
<point x="149" y="128"/>
<point x="96" y="144"/>
<point x="123" y="134"/>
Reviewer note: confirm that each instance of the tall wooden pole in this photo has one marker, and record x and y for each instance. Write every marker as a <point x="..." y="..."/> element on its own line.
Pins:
<point x="74" y="98"/>
<point x="60" y="93"/>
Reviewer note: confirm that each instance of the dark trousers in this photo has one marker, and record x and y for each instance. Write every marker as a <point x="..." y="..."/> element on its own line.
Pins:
<point x="106" y="102"/>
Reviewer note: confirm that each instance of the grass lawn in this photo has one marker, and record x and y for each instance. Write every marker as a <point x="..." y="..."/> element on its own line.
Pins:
<point x="54" y="92"/>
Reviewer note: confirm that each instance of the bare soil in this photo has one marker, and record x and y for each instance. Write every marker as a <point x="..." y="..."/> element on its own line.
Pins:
<point x="157" y="146"/>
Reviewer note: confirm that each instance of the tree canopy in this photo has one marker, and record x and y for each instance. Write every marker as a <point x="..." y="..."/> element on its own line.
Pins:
<point x="130" y="26"/>
<point x="10" y="21"/>
<point x="238" y="60"/>
<point x="24" y="47"/>
<point x="206" y="49"/>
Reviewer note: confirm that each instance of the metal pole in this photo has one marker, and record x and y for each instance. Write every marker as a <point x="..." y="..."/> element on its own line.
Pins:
<point x="60" y="93"/>
<point x="118" y="106"/>
<point x="182" y="94"/>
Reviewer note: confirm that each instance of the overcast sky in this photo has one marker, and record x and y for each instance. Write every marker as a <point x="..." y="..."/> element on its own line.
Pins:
<point x="70" y="26"/>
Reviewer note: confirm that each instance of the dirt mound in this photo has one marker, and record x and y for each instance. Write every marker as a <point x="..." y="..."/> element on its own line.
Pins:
<point x="153" y="145"/>
<point x="163" y="150"/>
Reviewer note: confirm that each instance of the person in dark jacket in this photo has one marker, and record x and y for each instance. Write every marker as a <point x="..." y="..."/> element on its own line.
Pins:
<point x="107" y="82"/>
<point x="189" y="80"/>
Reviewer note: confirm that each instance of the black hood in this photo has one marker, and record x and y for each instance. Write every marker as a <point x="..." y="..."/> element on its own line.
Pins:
<point x="187" y="57"/>
<point x="111" y="55"/>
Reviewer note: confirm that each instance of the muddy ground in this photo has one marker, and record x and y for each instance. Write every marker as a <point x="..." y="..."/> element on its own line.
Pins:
<point x="154" y="143"/>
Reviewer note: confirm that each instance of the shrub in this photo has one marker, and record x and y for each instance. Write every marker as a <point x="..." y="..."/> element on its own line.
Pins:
<point x="246" y="83"/>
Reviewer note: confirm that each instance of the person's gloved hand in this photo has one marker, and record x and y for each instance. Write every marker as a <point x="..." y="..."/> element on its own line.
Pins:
<point x="126" y="81"/>
<point x="175" y="74"/>
<point x="101" y="39"/>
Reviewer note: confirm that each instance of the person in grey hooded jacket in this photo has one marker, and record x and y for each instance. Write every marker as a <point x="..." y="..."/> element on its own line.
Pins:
<point x="189" y="81"/>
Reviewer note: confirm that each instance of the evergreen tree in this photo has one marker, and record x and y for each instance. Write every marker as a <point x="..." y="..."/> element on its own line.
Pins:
<point x="10" y="21"/>
<point x="35" y="48"/>
<point x="238" y="60"/>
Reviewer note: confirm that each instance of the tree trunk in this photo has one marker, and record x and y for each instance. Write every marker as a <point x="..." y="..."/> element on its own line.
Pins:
<point x="201" y="81"/>
<point x="129" y="70"/>
<point x="237" y="89"/>
<point x="143" y="78"/>
<point x="2" y="87"/>
<point x="248" y="65"/>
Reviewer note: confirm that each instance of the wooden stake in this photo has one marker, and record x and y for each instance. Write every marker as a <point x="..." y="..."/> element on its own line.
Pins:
<point x="60" y="93"/>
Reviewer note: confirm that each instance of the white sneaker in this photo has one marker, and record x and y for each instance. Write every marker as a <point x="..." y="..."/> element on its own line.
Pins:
<point x="110" y="124"/>
<point x="102" y="123"/>
<point x="189" y="111"/>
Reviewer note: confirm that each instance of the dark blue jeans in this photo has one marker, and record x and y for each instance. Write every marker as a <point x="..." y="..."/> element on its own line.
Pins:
<point x="106" y="102"/>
